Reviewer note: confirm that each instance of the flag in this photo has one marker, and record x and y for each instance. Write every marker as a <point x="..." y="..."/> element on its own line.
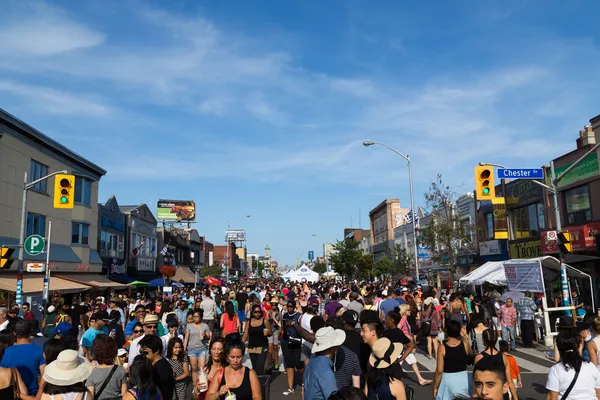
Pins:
<point x="163" y="252"/>
<point x="137" y="249"/>
<point x="417" y="220"/>
<point x="153" y="248"/>
<point x="409" y="217"/>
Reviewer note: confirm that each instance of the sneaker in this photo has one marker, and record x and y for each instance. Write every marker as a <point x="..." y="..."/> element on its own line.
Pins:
<point x="288" y="392"/>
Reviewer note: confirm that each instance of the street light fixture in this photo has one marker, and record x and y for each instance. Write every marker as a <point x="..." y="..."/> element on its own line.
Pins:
<point x="227" y="240"/>
<point x="412" y="201"/>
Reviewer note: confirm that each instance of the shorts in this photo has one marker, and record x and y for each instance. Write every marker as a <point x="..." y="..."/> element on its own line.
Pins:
<point x="197" y="353"/>
<point x="242" y="315"/>
<point x="411" y="359"/>
<point x="306" y="351"/>
<point x="292" y="354"/>
<point x="274" y="338"/>
<point x="496" y="324"/>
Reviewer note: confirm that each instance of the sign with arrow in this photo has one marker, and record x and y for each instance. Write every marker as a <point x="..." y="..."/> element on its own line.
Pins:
<point x="5" y="257"/>
<point x="34" y="245"/>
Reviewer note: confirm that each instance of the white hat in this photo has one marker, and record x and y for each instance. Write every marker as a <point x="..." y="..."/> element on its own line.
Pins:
<point x="121" y="352"/>
<point x="385" y="353"/>
<point x="428" y="301"/>
<point x="327" y="337"/>
<point x="384" y="292"/>
<point x="51" y="309"/>
<point x="68" y="369"/>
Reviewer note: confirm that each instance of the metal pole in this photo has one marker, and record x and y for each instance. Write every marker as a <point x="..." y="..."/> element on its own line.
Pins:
<point x="46" y="294"/>
<point x="563" y="268"/>
<point x="227" y="253"/>
<point x="414" y="218"/>
<point x="19" y="295"/>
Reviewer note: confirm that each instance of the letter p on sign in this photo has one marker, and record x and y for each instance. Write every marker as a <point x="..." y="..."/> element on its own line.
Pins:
<point x="34" y="245"/>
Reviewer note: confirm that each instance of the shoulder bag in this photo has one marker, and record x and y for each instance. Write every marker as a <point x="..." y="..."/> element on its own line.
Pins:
<point x="111" y="373"/>
<point x="571" y="386"/>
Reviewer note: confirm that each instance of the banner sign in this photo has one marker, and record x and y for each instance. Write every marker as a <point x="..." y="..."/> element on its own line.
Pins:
<point x="237" y="235"/>
<point x="588" y="168"/>
<point x="524" y="277"/>
<point x="176" y="210"/>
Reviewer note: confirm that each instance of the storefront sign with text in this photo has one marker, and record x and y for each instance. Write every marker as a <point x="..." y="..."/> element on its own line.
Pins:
<point x="528" y="249"/>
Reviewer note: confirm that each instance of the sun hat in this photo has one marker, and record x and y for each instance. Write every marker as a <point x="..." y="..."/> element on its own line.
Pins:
<point x="327" y="337"/>
<point x="274" y="300"/>
<point x="121" y="352"/>
<point x="150" y="319"/>
<point x="68" y="369"/>
<point x="428" y="301"/>
<point x="114" y="299"/>
<point x="385" y="353"/>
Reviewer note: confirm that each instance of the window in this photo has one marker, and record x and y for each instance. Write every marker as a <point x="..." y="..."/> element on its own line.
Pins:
<point x="527" y="221"/>
<point x="103" y="240"/>
<point x="579" y="210"/>
<point x="80" y="233"/>
<point x="38" y="171"/>
<point x="489" y="226"/>
<point x="36" y="224"/>
<point x="83" y="190"/>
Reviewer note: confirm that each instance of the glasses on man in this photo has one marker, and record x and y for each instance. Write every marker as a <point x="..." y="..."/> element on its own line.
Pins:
<point x="151" y="326"/>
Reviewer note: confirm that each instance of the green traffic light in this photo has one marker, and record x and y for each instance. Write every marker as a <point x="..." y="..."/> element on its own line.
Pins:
<point x="63" y="199"/>
<point x="486" y="191"/>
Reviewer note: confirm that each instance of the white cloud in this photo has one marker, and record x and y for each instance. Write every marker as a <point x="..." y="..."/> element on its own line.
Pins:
<point x="42" y="30"/>
<point x="53" y="101"/>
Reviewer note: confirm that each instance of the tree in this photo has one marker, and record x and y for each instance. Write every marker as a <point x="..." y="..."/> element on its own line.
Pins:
<point x="347" y="258"/>
<point x="402" y="260"/>
<point x="260" y="268"/>
<point x="444" y="234"/>
<point x="212" y="270"/>
<point x="320" y="268"/>
<point x="383" y="266"/>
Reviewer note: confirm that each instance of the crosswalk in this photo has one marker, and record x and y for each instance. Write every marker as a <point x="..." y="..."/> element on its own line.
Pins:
<point x="530" y="361"/>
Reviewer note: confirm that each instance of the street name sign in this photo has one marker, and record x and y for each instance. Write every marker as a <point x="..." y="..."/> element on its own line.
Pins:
<point x="520" y="173"/>
<point x="34" y="245"/>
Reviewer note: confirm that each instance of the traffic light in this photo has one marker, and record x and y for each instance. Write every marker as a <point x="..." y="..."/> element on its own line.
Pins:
<point x="5" y="254"/>
<point x="64" y="191"/>
<point x="564" y="242"/>
<point x="484" y="183"/>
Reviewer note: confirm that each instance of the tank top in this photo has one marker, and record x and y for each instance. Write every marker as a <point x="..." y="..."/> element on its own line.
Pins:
<point x="8" y="392"/>
<point x="496" y="357"/>
<point x="136" y="394"/>
<point x="244" y="391"/>
<point x="456" y="359"/>
<point x="256" y="335"/>
<point x="229" y="325"/>
<point x="585" y="354"/>
<point x="382" y="391"/>
<point x="596" y="340"/>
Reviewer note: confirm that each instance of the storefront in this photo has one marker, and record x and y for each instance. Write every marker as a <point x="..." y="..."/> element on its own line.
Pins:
<point x="140" y="242"/>
<point x="111" y="237"/>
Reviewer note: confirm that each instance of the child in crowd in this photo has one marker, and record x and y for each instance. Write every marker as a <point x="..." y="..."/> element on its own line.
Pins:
<point x="515" y="372"/>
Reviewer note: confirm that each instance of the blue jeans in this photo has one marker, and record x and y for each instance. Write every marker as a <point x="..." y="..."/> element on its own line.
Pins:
<point x="511" y="329"/>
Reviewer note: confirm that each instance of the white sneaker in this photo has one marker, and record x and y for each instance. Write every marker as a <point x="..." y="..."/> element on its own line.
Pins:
<point x="288" y="392"/>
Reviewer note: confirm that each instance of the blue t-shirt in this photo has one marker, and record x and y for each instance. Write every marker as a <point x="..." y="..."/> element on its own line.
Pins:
<point x="388" y="305"/>
<point x="26" y="358"/>
<point x="88" y="337"/>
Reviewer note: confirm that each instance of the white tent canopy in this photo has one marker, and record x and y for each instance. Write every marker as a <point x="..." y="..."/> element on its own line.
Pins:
<point x="304" y="273"/>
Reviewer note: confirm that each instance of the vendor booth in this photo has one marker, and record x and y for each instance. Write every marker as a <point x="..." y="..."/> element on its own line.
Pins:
<point x="303" y="274"/>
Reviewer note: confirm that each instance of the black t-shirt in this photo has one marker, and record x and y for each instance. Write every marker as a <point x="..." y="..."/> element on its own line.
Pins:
<point x="353" y="342"/>
<point x="163" y="378"/>
<point x="75" y="315"/>
<point x="396" y="336"/>
<point x="241" y="299"/>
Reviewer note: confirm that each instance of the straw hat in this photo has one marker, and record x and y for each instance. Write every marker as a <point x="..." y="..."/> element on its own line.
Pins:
<point x="327" y="337"/>
<point x="68" y="369"/>
<point x="150" y="319"/>
<point x="385" y="353"/>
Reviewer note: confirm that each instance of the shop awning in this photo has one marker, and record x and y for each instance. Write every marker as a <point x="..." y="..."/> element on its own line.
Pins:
<point x="184" y="274"/>
<point x="93" y="280"/>
<point x="35" y="284"/>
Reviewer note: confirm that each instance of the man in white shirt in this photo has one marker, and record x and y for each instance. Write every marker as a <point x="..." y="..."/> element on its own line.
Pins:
<point x="3" y="318"/>
<point x="150" y="325"/>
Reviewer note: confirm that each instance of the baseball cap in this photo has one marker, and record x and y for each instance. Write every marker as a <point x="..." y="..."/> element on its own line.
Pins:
<point x="565" y="321"/>
<point x="61" y="329"/>
<point x="121" y="352"/>
<point x="405" y="289"/>
<point x="350" y="317"/>
<point x="398" y="291"/>
<point x="313" y="291"/>
<point x="101" y="315"/>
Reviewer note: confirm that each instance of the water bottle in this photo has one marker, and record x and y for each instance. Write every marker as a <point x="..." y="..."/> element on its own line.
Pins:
<point x="202" y="381"/>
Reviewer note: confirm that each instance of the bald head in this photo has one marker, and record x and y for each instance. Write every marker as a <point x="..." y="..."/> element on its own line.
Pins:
<point x="3" y="313"/>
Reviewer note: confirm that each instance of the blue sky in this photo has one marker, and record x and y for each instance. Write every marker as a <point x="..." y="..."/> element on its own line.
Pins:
<point x="260" y="107"/>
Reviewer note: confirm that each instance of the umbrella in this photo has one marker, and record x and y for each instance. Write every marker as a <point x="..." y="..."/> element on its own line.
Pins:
<point x="138" y="283"/>
<point x="516" y="296"/>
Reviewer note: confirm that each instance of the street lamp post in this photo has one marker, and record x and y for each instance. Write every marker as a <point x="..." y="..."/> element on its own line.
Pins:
<point x="227" y="242"/>
<point x="412" y="202"/>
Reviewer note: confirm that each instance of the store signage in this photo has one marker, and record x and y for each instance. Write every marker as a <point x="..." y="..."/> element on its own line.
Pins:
<point x="489" y="248"/>
<point x="145" y="264"/>
<point x="500" y="223"/>
<point x="110" y="224"/>
<point x="528" y="249"/>
<point x="36" y="267"/>
<point x="523" y="191"/>
<point x="588" y="168"/>
<point x="82" y="268"/>
<point x="583" y="238"/>
<point x="524" y="277"/>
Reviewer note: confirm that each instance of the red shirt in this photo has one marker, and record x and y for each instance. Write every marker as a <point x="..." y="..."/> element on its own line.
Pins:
<point x="29" y="315"/>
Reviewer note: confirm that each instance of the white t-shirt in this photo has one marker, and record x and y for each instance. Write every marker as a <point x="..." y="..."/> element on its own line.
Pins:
<point x="588" y="381"/>
<point x="305" y="323"/>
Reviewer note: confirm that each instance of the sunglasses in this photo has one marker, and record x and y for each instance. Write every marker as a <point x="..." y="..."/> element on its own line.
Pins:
<point x="257" y="312"/>
<point x="138" y="331"/>
<point x="290" y="306"/>
<point x="151" y="326"/>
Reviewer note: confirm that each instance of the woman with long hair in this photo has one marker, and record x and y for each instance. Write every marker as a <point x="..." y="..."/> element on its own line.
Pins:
<point x="274" y="318"/>
<point x="230" y="322"/>
<point x="196" y="336"/>
<point x="237" y="379"/>
<point x="179" y="362"/>
<point x="65" y="377"/>
<point x="451" y="376"/>
<point x="381" y="383"/>
<point x="588" y="333"/>
<point x="216" y="363"/>
<point x="412" y="316"/>
<point x="104" y="349"/>
<point x="256" y="333"/>
<point x="490" y="339"/>
<point x="570" y="367"/>
<point x="476" y="335"/>
<point x="140" y="379"/>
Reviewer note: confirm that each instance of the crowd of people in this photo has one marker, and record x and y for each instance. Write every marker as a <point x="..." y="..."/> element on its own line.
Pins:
<point x="339" y="340"/>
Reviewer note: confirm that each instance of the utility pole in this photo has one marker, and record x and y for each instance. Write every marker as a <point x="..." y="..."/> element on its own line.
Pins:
<point x="26" y="187"/>
<point x="46" y="294"/>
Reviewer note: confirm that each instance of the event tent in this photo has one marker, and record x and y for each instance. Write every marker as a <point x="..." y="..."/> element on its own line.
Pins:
<point x="304" y="273"/>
